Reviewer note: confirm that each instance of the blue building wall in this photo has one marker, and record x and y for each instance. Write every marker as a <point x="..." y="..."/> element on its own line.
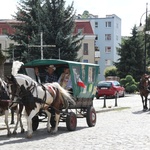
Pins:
<point x="100" y="31"/>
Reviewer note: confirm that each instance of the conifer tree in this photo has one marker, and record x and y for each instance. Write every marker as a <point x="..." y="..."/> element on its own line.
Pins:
<point x="51" y="18"/>
<point x="2" y="60"/>
<point x="131" y="61"/>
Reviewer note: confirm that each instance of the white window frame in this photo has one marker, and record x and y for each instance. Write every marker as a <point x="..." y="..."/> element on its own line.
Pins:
<point x="85" y="60"/>
<point x="96" y="24"/>
<point x="108" y="49"/>
<point x="107" y="37"/>
<point x="85" y="49"/>
<point x="108" y="24"/>
<point x="107" y="62"/>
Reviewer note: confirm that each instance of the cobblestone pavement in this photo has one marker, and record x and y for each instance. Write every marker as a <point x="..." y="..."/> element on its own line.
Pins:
<point x="125" y="127"/>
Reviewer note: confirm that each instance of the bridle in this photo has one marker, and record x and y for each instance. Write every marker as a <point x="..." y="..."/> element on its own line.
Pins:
<point x="3" y="90"/>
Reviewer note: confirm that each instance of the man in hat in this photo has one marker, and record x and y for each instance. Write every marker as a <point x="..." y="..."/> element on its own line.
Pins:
<point x="51" y="76"/>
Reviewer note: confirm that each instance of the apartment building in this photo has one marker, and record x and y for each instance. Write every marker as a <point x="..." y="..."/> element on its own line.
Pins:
<point x="87" y="52"/>
<point x="5" y="41"/>
<point x="108" y="38"/>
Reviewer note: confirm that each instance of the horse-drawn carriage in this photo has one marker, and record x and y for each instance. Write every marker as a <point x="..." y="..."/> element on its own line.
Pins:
<point x="84" y="80"/>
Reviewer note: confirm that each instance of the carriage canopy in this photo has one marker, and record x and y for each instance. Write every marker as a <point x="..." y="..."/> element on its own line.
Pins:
<point x="83" y="75"/>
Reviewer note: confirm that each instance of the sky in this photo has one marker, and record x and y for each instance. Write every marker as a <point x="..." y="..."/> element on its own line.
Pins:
<point x="129" y="11"/>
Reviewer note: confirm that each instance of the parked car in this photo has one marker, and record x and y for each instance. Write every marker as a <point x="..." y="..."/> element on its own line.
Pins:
<point x="109" y="89"/>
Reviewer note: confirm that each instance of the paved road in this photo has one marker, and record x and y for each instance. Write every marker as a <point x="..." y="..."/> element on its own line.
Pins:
<point x="125" y="127"/>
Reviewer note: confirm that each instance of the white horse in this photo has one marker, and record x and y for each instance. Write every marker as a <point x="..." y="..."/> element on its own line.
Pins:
<point x="36" y="97"/>
<point x="4" y="108"/>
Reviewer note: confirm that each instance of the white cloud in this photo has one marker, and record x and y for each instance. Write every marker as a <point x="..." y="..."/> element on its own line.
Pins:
<point x="7" y="9"/>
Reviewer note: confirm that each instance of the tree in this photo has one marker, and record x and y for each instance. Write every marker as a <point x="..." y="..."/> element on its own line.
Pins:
<point x="110" y="71"/>
<point x="2" y="60"/>
<point x="55" y="22"/>
<point x="147" y="41"/>
<point x="131" y="61"/>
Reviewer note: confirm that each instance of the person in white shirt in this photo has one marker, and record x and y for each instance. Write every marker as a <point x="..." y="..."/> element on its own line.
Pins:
<point x="65" y="79"/>
<point x="37" y="75"/>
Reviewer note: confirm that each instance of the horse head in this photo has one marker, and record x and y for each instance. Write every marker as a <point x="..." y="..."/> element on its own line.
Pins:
<point x="13" y="88"/>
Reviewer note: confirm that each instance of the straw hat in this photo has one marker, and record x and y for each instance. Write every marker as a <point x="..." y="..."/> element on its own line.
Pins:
<point x="52" y="66"/>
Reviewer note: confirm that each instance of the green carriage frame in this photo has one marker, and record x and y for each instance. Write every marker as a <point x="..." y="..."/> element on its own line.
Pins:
<point x="88" y="74"/>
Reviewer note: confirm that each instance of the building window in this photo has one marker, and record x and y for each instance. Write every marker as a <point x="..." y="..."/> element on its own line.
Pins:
<point x="107" y="37"/>
<point x="96" y="62"/>
<point x="80" y="31"/>
<point x="11" y="45"/>
<point x="85" y="61"/>
<point x="107" y="49"/>
<point x="4" y="31"/>
<point x="108" y="24"/>
<point x="85" y="49"/>
<point x="96" y="38"/>
<point x="117" y="37"/>
<point x="96" y="24"/>
<point x="107" y="62"/>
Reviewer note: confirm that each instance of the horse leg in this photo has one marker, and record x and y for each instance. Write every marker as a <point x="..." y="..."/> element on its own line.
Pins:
<point x="19" y="111"/>
<point x="6" y="122"/>
<point x="57" y="116"/>
<point x="143" y="103"/>
<point x="146" y="103"/>
<point x="48" y="120"/>
<point x="12" y="116"/>
<point x="29" y="121"/>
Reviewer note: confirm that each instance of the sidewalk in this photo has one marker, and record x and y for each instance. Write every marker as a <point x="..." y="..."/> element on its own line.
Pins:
<point x="130" y="100"/>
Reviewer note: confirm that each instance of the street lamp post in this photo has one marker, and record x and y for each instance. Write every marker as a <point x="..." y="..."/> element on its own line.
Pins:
<point x="145" y="37"/>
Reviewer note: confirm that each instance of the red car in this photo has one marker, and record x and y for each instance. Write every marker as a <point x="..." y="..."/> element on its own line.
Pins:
<point x="110" y="89"/>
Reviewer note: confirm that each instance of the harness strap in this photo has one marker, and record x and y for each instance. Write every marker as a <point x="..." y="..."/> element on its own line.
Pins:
<point x="52" y="91"/>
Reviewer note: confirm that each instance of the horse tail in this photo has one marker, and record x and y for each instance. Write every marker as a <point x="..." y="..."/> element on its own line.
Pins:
<point x="66" y="95"/>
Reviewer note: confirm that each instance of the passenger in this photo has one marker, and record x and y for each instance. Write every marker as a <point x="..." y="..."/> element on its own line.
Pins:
<point x="51" y="76"/>
<point x="65" y="79"/>
<point x="37" y="74"/>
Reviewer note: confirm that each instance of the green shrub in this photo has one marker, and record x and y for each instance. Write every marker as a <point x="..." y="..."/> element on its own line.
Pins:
<point x="129" y="83"/>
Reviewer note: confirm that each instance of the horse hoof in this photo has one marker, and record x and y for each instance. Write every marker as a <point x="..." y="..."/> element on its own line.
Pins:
<point x="53" y="131"/>
<point x="22" y="131"/>
<point x="14" y="132"/>
<point x="29" y="136"/>
<point x="8" y="134"/>
<point x="12" y="122"/>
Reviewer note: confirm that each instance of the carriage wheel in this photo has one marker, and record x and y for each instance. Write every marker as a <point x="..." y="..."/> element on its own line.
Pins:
<point x="91" y="116"/>
<point x="35" y="123"/>
<point x="71" y="121"/>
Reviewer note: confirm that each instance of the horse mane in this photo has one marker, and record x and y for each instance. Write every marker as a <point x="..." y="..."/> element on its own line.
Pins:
<point x="25" y="77"/>
<point x="3" y="84"/>
<point x="15" y="67"/>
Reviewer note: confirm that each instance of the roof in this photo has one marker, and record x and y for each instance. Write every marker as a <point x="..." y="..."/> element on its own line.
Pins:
<point x="43" y="62"/>
<point x="85" y="25"/>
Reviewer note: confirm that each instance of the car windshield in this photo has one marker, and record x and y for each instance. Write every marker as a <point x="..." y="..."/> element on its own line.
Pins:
<point x="104" y="84"/>
<point x="116" y="83"/>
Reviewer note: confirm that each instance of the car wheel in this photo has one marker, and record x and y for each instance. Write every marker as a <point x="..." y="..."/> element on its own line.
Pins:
<point x="123" y="95"/>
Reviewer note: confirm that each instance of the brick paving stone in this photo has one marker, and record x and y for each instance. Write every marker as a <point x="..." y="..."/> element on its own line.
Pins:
<point x="125" y="127"/>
